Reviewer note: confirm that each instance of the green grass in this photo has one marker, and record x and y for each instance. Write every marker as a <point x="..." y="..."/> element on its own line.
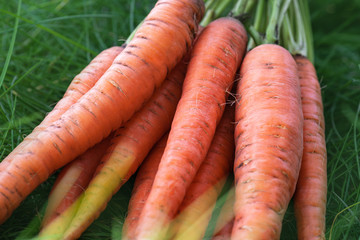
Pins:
<point x="44" y="44"/>
<point x="337" y="47"/>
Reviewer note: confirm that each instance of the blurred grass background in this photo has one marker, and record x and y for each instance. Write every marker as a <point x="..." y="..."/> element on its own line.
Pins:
<point x="44" y="44"/>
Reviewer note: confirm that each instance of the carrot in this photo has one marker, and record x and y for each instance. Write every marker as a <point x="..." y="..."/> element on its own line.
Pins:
<point x="204" y="190"/>
<point x="268" y="140"/>
<point x="127" y="150"/>
<point x="158" y="45"/>
<point x="143" y="182"/>
<point x="215" y="57"/>
<point x="81" y="84"/>
<point x="310" y="194"/>
<point x="66" y="194"/>
<point x="72" y="181"/>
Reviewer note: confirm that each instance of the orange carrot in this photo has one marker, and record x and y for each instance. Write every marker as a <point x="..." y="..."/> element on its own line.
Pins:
<point x="268" y="139"/>
<point x="158" y="45"/>
<point x="81" y="84"/>
<point x="310" y="194"/>
<point x="216" y="55"/>
<point x="72" y="181"/>
<point x="204" y="190"/>
<point x="143" y="182"/>
<point x="127" y="150"/>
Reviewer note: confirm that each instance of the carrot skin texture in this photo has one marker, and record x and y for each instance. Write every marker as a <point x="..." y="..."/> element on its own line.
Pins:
<point x="268" y="141"/>
<point x="74" y="177"/>
<point x="130" y="81"/>
<point x="215" y="57"/>
<point x="143" y="182"/>
<point x="128" y="148"/>
<point x="81" y="84"/>
<point x="311" y="189"/>
<point x="204" y="190"/>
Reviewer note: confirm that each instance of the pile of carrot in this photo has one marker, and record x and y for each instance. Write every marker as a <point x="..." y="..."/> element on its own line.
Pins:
<point x="192" y="99"/>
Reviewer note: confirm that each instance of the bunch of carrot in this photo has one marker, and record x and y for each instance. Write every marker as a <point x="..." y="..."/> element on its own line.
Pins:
<point x="185" y="102"/>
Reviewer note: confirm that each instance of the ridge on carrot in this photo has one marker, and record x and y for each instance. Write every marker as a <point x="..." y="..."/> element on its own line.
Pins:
<point x="128" y="148"/>
<point x="268" y="140"/>
<point x="215" y="58"/>
<point x="158" y="45"/>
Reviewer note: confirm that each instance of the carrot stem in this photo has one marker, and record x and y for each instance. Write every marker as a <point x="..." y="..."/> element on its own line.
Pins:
<point x="239" y="6"/>
<point x="267" y="22"/>
<point x="284" y="8"/>
<point x="214" y="9"/>
<point x="209" y="12"/>
<point x="243" y="7"/>
<point x="207" y="18"/>
<point x="305" y="13"/>
<point x="256" y="38"/>
<point x="260" y="16"/>
<point x="272" y="35"/>
<point x="297" y="34"/>
<point x="287" y="35"/>
<point x="209" y="4"/>
<point x="257" y="28"/>
<point x="300" y="31"/>
<point x="223" y="4"/>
